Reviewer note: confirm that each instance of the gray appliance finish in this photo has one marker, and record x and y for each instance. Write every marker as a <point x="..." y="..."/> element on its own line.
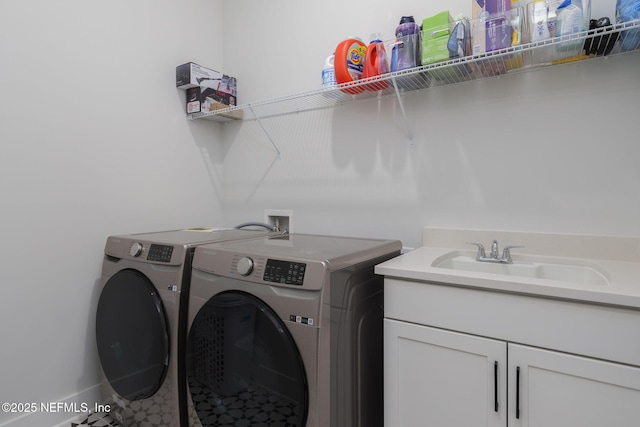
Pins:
<point x="141" y="322"/>
<point x="286" y="331"/>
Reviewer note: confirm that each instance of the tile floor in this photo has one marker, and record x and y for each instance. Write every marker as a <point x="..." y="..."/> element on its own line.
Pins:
<point x="252" y="407"/>
<point x="97" y="420"/>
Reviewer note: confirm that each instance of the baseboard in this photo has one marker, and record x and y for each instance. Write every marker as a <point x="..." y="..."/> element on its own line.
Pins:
<point x="59" y="413"/>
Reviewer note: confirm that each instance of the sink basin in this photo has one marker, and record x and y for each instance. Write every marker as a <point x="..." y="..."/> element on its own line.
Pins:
<point x="573" y="273"/>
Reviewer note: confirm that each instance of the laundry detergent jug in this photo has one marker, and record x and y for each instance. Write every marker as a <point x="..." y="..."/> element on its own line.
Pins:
<point x="349" y="63"/>
<point x="375" y="63"/>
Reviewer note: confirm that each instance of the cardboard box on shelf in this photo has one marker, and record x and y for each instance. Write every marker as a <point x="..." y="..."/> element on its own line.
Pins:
<point x="206" y="89"/>
<point x="490" y="25"/>
<point x="203" y="100"/>
<point x="223" y="87"/>
<point x="191" y="74"/>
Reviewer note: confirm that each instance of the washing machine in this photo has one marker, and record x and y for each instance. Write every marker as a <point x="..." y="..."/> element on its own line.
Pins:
<point x="141" y="322"/>
<point x="286" y="331"/>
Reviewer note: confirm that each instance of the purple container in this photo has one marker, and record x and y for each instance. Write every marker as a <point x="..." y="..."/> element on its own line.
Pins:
<point x="408" y="50"/>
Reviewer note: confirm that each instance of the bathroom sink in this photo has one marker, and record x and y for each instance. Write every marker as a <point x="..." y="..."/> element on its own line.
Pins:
<point x="573" y="273"/>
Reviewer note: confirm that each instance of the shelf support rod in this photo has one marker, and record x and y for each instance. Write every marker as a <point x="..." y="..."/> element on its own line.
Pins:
<point x="265" y="131"/>
<point x="404" y="114"/>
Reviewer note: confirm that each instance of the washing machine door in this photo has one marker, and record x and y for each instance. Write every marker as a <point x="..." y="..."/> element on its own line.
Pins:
<point x="132" y="335"/>
<point x="243" y="366"/>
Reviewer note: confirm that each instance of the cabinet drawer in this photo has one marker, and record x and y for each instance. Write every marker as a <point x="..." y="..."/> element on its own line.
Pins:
<point x="598" y="331"/>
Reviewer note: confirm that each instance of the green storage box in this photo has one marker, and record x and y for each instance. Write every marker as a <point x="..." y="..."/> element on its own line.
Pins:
<point x="435" y="36"/>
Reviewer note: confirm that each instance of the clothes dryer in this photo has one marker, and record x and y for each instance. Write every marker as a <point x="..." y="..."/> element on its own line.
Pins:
<point x="286" y="331"/>
<point x="141" y="322"/>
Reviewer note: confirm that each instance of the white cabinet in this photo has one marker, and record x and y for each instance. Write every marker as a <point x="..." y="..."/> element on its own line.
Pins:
<point x="444" y="373"/>
<point x="554" y="389"/>
<point x="440" y="378"/>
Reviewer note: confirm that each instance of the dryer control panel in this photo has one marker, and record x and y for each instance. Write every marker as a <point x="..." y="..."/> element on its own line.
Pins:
<point x="301" y="273"/>
<point x="160" y="253"/>
<point x="145" y="251"/>
<point x="287" y="272"/>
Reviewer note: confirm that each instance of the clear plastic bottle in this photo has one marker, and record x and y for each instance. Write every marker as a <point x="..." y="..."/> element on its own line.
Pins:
<point x="570" y="20"/>
<point x="329" y="72"/>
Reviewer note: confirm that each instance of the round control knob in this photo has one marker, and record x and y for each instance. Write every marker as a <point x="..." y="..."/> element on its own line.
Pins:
<point x="136" y="249"/>
<point x="245" y="266"/>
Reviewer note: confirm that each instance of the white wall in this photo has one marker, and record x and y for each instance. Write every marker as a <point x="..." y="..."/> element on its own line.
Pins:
<point x="94" y="142"/>
<point x="550" y="150"/>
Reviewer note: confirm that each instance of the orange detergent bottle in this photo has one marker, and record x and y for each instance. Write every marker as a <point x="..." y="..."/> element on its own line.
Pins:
<point x="349" y="63"/>
<point x="375" y="63"/>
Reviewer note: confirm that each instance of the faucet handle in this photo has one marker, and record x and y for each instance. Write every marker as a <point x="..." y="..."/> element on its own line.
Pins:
<point x="506" y="252"/>
<point x="481" y="253"/>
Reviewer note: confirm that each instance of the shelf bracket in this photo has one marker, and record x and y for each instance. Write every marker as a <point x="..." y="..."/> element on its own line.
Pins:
<point x="265" y="131"/>
<point x="404" y="114"/>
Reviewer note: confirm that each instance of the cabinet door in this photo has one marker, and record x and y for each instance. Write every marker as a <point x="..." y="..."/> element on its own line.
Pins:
<point x="440" y="378"/>
<point x="551" y="389"/>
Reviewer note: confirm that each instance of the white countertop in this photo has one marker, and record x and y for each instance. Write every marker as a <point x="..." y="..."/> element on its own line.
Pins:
<point x="623" y="288"/>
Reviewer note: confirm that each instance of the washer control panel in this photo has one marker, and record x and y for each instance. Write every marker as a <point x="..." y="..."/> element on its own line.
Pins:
<point x="160" y="253"/>
<point x="287" y="272"/>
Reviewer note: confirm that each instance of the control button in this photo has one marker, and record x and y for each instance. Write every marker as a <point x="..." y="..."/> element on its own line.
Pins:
<point x="245" y="266"/>
<point x="136" y="249"/>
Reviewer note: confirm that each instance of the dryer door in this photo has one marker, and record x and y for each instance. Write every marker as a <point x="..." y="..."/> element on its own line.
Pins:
<point x="243" y="366"/>
<point x="132" y="335"/>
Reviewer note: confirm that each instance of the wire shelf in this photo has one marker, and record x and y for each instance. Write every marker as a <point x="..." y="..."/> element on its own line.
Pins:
<point x="614" y="39"/>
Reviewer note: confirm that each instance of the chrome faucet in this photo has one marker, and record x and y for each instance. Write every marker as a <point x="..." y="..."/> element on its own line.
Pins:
<point x="494" y="256"/>
<point x="494" y="250"/>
